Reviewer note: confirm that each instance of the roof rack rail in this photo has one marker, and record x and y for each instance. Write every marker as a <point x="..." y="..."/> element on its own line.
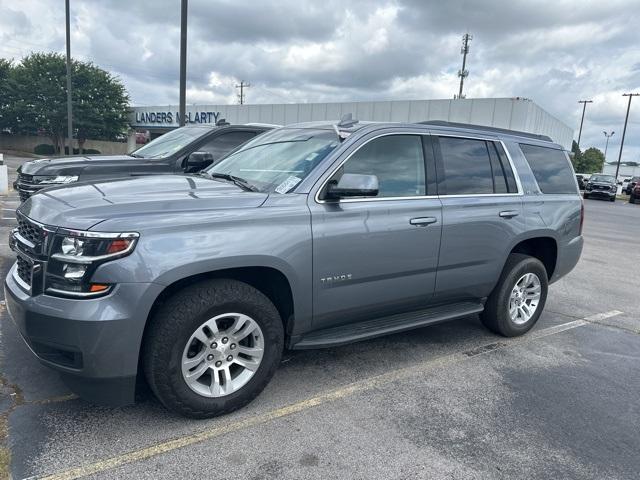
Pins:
<point x="443" y="123"/>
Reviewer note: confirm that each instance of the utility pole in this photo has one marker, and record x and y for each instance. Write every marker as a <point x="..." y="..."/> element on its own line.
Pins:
<point x="606" y="145"/>
<point x="242" y="86"/>
<point x="69" y="105"/>
<point x="584" y="107"/>
<point x="183" y="62"/>
<point x="463" y="73"/>
<point x="624" y="130"/>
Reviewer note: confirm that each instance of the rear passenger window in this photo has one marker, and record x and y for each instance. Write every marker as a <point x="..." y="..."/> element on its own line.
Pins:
<point x="397" y="161"/>
<point x="467" y="166"/>
<point x="551" y="168"/>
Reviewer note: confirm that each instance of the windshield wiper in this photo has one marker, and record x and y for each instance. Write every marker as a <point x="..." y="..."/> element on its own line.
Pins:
<point x="241" y="182"/>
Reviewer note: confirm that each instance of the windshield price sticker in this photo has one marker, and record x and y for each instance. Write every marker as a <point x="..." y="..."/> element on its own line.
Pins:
<point x="288" y="184"/>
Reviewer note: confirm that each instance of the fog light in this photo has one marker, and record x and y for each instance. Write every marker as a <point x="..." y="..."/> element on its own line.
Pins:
<point x="73" y="271"/>
<point x="97" y="287"/>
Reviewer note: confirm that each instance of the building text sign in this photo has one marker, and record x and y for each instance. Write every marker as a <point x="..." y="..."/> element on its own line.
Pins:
<point x="173" y="118"/>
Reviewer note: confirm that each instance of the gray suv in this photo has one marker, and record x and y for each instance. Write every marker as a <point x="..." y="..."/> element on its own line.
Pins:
<point x="308" y="236"/>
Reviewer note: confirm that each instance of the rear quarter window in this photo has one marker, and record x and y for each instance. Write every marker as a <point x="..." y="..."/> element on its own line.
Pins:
<point x="551" y="168"/>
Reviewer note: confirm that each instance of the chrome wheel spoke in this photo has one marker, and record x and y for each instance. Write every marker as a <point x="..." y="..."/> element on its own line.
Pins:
<point x="194" y="375"/>
<point x="200" y="335"/>
<point x="251" y="351"/>
<point x="248" y="363"/>
<point x="189" y="363"/>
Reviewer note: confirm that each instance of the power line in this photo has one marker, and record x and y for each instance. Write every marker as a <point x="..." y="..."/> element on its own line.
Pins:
<point x="463" y="73"/>
<point x="241" y="96"/>
<point x="584" y="107"/>
<point x="624" y="130"/>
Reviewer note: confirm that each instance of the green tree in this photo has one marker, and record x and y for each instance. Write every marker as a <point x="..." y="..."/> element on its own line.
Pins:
<point x="576" y="157"/>
<point x="5" y="71"/>
<point x="37" y="99"/>
<point x="592" y="160"/>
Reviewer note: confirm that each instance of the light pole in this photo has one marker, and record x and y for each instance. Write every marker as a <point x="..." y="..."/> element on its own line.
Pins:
<point x="606" y="145"/>
<point x="584" y="107"/>
<point x="624" y="130"/>
<point x="182" y="107"/>
<point x="69" y="104"/>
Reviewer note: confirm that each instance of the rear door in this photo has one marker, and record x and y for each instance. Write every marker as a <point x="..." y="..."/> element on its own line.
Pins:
<point x="482" y="212"/>
<point x="377" y="255"/>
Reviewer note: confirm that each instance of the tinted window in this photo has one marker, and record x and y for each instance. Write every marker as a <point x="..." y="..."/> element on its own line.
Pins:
<point x="551" y="168"/>
<point x="467" y="166"/>
<point x="397" y="161"/>
<point x="224" y="143"/>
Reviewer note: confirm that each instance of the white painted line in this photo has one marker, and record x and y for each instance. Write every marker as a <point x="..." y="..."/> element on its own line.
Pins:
<point x="323" y="398"/>
<point x="602" y="316"/>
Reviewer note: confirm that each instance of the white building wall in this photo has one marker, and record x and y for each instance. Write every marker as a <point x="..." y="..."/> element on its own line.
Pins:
<point x="511" y="113"/>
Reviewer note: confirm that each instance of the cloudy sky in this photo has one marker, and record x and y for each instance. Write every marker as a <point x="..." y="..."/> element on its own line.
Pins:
<point x="553" y="52"/>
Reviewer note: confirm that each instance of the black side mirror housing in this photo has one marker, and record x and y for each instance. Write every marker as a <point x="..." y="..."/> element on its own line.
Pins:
<point x="352" y="185"/>
<point x="198" y="161"/>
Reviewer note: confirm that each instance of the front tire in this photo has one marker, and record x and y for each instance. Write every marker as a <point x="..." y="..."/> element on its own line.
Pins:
<point x="612" y="199"/>
<point x="212" y="347"/>
<point x="632" y="198"/>
<point x="585" y="195"/>
<point x="518" y="299"/>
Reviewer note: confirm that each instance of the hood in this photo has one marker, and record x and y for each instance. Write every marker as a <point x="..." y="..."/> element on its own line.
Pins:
<point x="602" y="184"/>
<point x="85" y="204"/>
<point x="69" y="165"/>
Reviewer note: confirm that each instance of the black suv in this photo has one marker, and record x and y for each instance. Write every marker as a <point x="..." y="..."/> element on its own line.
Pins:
<point x="603" y="186"/>
<point x="184" y="150"/>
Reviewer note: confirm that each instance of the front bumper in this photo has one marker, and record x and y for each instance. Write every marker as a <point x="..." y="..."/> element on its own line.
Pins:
<point x="94" y="343"/>
<point x="600" y="193"/>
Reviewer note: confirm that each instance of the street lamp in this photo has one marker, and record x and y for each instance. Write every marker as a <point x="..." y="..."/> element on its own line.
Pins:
<point x="606" y="145"/>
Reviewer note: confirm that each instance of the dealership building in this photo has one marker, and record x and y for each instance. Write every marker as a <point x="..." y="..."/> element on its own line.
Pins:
<point x="511" y="113"/>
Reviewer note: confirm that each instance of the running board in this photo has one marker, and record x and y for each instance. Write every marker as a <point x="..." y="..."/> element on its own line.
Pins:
<point x="354" y="332"/>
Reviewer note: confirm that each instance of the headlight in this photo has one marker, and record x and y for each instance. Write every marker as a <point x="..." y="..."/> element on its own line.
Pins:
<point x="75" y="257"/>
<point x="62" y="179"/>
<point x="54" y="179"/>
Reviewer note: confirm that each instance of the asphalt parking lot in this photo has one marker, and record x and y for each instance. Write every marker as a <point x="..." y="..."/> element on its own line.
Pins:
<point x="446" y="401"/>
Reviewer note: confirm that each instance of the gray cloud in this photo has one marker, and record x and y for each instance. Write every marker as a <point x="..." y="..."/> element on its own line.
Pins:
<point x="552" y="52"/>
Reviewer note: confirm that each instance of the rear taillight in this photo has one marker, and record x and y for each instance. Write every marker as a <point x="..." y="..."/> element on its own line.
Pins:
<point x="581" y="216"/>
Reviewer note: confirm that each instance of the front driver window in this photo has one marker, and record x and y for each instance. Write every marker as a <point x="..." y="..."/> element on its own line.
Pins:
<point x="397" y="161"/>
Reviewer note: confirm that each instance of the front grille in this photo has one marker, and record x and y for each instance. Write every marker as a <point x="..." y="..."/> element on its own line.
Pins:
<point x="24" y="195"/>
<point x="24" y="270"/>
<point x="600" y="187"/>
<point x="24" y="178"/>
<point x="29" y="230"/>
<point x="26" y="186"/>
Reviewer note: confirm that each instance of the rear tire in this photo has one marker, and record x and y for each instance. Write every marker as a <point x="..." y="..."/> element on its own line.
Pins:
<point x="632" y="198"/>
<point x="173" y="339"/>
<point x="508" y="294"/>
<point x="585" y="196"/>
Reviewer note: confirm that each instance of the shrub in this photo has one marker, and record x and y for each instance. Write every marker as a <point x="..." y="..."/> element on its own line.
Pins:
<point x="44" y="149"/>
<point x="91" y="151"/>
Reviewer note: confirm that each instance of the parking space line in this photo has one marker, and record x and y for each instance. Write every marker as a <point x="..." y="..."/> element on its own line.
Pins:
<point x="328" y="397"/>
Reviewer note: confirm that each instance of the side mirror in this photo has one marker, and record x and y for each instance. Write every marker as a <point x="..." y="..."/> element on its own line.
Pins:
<point x="198" y="161"/>
<point x="352" y="185"/>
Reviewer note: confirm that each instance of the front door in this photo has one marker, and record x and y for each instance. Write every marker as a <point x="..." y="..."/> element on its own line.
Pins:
<point x="378" y="255"/>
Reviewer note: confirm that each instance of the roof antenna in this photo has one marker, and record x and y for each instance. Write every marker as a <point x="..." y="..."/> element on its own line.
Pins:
<point x="347" y="121"/>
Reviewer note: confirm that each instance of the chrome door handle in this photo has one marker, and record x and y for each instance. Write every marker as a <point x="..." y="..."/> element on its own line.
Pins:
<point x="509" y="213"/>
<point x="423" y="221"/>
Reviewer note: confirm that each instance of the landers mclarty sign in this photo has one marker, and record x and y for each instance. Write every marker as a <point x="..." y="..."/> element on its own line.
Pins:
<point x="173" y="118"/>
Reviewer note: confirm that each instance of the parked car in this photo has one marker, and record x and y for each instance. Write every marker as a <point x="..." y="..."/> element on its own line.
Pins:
<point x="634" y="196"/>
<point x="308" y="236"/>
<point x="601" y="186"/>
<point x="633" y="181"/>
<point x="582" y="180"/>
<point x="186" y="149"/>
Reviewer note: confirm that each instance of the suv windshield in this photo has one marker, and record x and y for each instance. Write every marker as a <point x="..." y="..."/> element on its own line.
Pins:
<point x="171" y="142"/>
<point x="603" y="178"/>
<point x="278" y="160"/>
